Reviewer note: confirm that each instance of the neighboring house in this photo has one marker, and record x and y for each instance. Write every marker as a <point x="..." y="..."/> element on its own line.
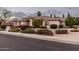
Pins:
<point x="20" y="22"/>
<point x="47" y="21"/>
<point x="17" y="22"/>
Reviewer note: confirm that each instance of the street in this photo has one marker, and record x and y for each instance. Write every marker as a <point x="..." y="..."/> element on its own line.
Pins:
<point x="15" y="43"/>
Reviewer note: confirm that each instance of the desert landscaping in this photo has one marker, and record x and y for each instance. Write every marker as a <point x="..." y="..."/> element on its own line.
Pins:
<point x="65" y="29"/>
<point x="39" y="31"/>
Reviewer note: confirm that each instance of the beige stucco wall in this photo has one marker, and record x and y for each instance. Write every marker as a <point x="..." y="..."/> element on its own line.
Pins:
<point x="63" y="23"/>
<point x="31" y="22"/>
<point x="20" y="23"/>
<point x="43" y="23"/>
<point x="23" y="23"/>
<point x="53" y="22"/>
<point x="14" y="23"/>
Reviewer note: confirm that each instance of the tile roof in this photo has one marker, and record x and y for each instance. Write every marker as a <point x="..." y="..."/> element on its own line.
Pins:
<point x="47" y="18"/>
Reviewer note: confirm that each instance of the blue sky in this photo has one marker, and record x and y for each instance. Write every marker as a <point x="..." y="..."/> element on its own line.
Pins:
<point x="57" y="10"/>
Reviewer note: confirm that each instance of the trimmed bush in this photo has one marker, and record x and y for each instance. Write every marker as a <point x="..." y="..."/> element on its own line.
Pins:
<point x="32" y="27"/>
<point x="3" y="26"/>
<point x="75" y="26"/>
<point x="28" y="30"/>
<point x="61" y="31"/>
<point x="53" y="26"/>
<point x="74" y="30"/>
<point x="2" y="29"/>
<point x="13" y="27"/>
<point x="43" y="27"/>
<point x="23" y="27"/>
<point x="14" y="30"/>
<point x="44" y="32"/>
<point x="61" y="26"/>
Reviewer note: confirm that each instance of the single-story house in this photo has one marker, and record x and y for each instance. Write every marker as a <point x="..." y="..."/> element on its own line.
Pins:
<point x="47" y="21"/>
<point x="17" y="22"/>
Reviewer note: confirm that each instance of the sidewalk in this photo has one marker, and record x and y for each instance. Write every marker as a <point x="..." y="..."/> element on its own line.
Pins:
<point x="71" y="38"/>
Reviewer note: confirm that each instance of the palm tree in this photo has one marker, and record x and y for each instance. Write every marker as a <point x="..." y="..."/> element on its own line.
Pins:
<point x="63" y="16"/>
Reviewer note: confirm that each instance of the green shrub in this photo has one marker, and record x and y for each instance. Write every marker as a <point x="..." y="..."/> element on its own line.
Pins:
<point x="75" y="26"/>
<point x="53" y="26"/>
<point x="77" y="21"/>
<point x="70" y="21"/>
<point x="2" y="29"/>
<point x="28" y="30"/>
<point x="32" y="27"/>
<point x="61" y="31"/>
<point x="23" y="27"/>
<point x="14" y="30"/>
<point x="61" y="26"/>
<point x="13" y="27"/>
<point x="37" y="23"/>
<point x="3" y="26"/>
<point x="44" y="32"/>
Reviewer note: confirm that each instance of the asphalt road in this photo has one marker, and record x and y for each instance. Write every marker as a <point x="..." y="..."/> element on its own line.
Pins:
<point x="14" y="43"/>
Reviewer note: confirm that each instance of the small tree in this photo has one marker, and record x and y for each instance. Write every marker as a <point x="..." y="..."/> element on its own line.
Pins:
<point x="37" y="23"/>
<point x="70" y="21"/>
<point x="76" y="21"/>
<point x="5" y="13"/>
<point x="51" y="15"/>
<point x="38" y="13"/>
<point x="68" y="15"/>
<point x="63" y="16"/>
<point x="54" y="16"/>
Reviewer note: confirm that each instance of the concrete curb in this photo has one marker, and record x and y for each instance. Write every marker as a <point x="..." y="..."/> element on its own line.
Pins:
<point x="41" y="37"/>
